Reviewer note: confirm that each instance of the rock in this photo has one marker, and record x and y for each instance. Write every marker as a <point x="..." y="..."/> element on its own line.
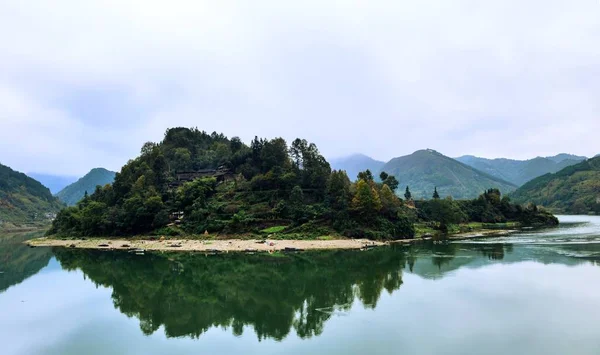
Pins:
<point x="125" y="246"/>
<point x="103" y="245"/>
<point x="72" y="246"/>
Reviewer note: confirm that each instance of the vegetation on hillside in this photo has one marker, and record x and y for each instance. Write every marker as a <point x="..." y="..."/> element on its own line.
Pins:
<point x="519" y="172"/>
<point x="424" y="170"/>
<point x="575" y="189"/>
<point x="77" y="190"/>
<point x="23" y="199"/>
<point x="270" y="186"/>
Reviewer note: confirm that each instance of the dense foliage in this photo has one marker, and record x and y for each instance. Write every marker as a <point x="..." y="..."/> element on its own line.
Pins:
<point x="489" y="207"/>
<point x="575" y="189"/>
<point x="271" y="184"/>
<point x="519" y="172"/>
<point x="23" y="199"/>
<point x="427" y="169"/>
<point x="267" y="186"/>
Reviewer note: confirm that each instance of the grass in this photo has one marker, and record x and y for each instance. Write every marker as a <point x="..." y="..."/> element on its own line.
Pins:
<point x="275" y="229"/>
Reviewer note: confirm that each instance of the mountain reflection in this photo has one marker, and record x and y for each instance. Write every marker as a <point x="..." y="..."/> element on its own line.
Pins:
<point x="19" y="262"/>
<point x="191" y="293"/>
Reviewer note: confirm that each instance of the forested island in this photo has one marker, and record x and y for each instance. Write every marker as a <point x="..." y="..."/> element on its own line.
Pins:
<point x="194" y="183"/>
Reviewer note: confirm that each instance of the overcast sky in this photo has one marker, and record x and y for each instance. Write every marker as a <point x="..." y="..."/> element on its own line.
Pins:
<point x="86" y="83"/>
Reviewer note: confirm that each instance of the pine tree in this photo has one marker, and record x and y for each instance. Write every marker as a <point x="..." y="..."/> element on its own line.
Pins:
<point x="366" y="201"/>
<point x="435" y="194"/>
<point x="407" y="194"/>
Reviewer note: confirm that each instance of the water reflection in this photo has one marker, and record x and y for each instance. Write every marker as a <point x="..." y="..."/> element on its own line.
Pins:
<point x="191" y="293"/>
<point x="19" y="262"/>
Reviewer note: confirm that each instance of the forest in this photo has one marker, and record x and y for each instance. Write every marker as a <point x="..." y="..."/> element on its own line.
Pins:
<point x="266" y="187"/>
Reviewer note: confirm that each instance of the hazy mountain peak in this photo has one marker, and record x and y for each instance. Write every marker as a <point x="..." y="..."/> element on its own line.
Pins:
<point x="75" y="192"/>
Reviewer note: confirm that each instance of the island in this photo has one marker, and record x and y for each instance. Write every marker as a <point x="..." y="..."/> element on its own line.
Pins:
<point x="196" y="187"/>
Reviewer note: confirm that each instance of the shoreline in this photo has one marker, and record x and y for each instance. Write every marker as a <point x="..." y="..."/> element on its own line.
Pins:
<point x="225" y="245"/>
<point x="241" y="245"/>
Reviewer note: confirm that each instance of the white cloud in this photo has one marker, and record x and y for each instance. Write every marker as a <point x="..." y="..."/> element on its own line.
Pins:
<point x="84" y="84"/>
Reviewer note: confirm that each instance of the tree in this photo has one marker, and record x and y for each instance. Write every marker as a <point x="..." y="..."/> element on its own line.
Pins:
<point x="366" y="201"/>
<point x="407" y="194"/>
<point x="296" y="202"/>
<point x="383" y="176"/>
<point x="366" y="175"/>
<point x="444" y="212"/>
<point x="392" y="182"/>
<point x="338" y="191"/>
<point x="435" y="194"/>
<point x="389" y="201"/>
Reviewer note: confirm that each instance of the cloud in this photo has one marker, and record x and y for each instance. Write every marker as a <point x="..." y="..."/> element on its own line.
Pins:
<point x="85" y="84"/>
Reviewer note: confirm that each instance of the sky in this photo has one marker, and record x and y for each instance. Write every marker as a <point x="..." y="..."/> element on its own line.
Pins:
<point x="84" y="84"/>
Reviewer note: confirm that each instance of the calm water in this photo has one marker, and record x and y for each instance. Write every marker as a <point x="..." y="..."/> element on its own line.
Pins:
<point x="536" y="292"/>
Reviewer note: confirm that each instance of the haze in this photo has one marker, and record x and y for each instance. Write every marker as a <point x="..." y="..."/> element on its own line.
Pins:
<point x="85" y="84"/>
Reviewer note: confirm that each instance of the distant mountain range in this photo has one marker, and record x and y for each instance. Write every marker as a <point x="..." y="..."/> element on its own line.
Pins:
<point x="54" y="182"/>
<point x="519" y="172"/>
<point x="23" y="199"/>
<point x="356" y="163"/>
<point x="574" y="189"/>
<point x="427" y="169"/>
<point x="75" y="192"/>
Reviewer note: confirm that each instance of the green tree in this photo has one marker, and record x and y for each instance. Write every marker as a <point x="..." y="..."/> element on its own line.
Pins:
<point x="366" y="175"/>
<point x="407" y="194"/>
<point x="389" y="200"/>
<point x="366" y="201"/>
<point x="391" y="181"/>
<point x="435" y="194"/>
<point x="296" y="203"/>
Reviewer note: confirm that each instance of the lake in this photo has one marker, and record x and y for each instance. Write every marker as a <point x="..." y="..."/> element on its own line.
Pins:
<point x="534" y="292"/>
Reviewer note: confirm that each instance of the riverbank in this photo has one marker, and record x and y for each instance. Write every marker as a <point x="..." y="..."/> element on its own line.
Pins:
<point x="228" y="245"/>
<point x="239" y="245"/>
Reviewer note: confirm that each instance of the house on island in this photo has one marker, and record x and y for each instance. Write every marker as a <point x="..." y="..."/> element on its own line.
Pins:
<point x="222" y="174"/>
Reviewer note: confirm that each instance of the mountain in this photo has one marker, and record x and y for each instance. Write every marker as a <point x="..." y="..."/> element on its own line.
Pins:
<point x="54" y="182"/>
<point x="426" y="169"/>
<point x="356" y="163"/>
<point x="75" y="192"/>
<point x="23" y="199"/>
<point x="519" y="172"/>
<point x="564" y="156"/>
<point x="574" y="189"/>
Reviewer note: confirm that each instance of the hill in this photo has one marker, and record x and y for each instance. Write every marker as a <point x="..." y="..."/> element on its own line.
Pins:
<point x="196" y="183"/>
<point x="519" y="172"/>
<point x="426" y="169"/>
<point x="574" y="189"/>
<point x="356" y="163"/>
<point x="23" y="199"/>
<point x="75" y="192"/>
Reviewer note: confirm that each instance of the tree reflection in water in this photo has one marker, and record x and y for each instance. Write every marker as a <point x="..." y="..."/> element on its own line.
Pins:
<point x="190" y="293"/>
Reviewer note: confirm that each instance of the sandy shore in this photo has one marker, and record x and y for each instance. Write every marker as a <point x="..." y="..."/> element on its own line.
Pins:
<point x="239" y="245"/>
<point x="206" y="245"/>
